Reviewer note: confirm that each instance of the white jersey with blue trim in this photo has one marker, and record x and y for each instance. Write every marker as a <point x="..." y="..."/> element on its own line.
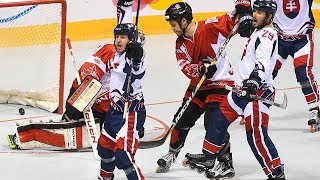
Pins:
<point x="294" y="17"/>
<point x="119" y="70"/>
<point x="260" y="54"/>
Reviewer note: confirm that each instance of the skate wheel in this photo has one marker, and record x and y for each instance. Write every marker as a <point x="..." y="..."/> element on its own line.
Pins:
<point x="192" y="167"/>
<point x="185" y="162"/>
<point x="199" y="171"/>
<point x="162" y="163"/>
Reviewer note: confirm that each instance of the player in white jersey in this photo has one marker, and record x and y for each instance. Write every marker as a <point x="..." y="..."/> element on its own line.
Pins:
<point x="294" y="22"/>
<point x="119" y="138"/>
<point x="254" y="78"/>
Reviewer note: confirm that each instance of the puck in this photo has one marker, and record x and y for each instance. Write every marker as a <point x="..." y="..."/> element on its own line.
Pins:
<point x="21" y="111"/>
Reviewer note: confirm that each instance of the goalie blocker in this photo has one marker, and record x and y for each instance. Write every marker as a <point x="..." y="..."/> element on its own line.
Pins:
<point x="51" y="136"/>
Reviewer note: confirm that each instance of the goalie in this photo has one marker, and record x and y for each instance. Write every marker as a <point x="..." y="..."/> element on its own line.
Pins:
<point x="98" y="67"/>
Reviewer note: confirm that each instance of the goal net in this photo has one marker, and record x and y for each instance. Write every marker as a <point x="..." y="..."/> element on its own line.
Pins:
<point x="32" y="51"/>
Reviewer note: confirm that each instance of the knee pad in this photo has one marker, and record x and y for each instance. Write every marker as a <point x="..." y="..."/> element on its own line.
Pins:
<point x="104" y="153"/>
<point x="306" y="84"/>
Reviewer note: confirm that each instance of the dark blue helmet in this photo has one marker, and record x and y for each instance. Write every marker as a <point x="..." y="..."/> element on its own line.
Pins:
<point x="128" y="29"/>
<point x="179" y="10"/>
<point x="269" y="6"/>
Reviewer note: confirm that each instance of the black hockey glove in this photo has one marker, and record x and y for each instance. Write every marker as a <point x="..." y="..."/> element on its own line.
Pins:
<point x="125" y="3"/>
<point x="207" y="69"/>
<point x="141" y="132"/>
<point x="134" y="52"/>
<point x="243" y="6"/>
<point x="251" y="85"/>
<point x="245" y="28"/>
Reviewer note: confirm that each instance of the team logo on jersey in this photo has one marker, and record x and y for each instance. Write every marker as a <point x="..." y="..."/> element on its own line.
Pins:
<point x="291" y="8"/>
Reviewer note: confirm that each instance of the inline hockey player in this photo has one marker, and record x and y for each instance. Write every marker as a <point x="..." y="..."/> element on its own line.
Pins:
<point x="254" y="78"/>
<point x="197" y="45"/>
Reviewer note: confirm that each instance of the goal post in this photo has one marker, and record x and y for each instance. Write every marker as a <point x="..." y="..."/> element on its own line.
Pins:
<point x="32" y="53"/>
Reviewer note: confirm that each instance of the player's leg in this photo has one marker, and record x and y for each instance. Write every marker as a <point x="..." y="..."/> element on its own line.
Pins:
<point x="284" y="50"/>
<point x="217" y="120"/>
<point x="180" y="131"/>
<point x="107" y="143"/>
<point x="127" y="144"/>
<point x="257" y="118"/>
<point x="303" y="64"/>
<point x="105" y="148"/>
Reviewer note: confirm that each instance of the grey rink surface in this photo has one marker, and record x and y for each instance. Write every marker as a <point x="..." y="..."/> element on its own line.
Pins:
<point x="164" y="88"/>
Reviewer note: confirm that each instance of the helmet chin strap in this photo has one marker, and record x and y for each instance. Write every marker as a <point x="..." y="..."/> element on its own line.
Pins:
<point x="184" y="30"/>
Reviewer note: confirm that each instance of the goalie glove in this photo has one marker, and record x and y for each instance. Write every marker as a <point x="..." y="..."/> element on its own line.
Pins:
<point x="251" y="85"/>
<point x="125" y="3"/>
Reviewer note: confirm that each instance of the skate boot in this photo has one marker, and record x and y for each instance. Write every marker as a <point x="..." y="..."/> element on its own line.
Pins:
<point x="224" y="169"/>
<point x="12" y="140"/>
<point x="200" y="162"/>
<point x="164" y="163"/>
<point x="105" y="178"/>
<point x="278" y="174"/>
<point x="314" y="118"/>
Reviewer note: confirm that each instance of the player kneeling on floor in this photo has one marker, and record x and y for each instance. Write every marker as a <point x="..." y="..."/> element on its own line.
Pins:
<point x="51" y="136"/>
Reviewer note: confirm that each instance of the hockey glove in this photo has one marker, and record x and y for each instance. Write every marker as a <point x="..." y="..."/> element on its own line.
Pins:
<point x="207" y="69"/>
<point x="141" y="133"/>
<point x="243" y="6"/>
<point x="125" y="3"/>
<point x="251" y="85"/>
<point x="245" y="28"/>
<point x="134" y="52"/>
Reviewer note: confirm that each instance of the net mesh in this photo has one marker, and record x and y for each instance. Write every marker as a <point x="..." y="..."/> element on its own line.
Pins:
<point x="30" y="55"/>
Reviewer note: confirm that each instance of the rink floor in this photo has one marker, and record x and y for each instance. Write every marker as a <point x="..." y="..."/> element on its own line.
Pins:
<point x="164" y="88"/>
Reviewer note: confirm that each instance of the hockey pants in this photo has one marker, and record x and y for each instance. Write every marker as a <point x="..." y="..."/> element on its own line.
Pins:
<point x="119" y="141"/>
<point x="302" y="50"/>
<point x="257" y="117"/>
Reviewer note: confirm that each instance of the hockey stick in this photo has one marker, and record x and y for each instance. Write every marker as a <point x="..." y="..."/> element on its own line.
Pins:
<point x="282" y="105"/>
<point x="88" y="116"/>
<point x="159" y="142"/>
<point x="126" y="104"/>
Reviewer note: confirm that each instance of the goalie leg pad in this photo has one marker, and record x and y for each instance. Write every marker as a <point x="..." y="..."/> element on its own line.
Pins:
<point x="53" y="136"/>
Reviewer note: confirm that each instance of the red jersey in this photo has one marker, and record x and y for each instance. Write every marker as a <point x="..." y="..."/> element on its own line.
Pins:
<point x="98" y="66"/>
<point x="205" y="44"/>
